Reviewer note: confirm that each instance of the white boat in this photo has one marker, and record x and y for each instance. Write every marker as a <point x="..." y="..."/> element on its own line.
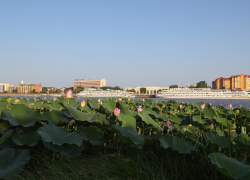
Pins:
<point x="204" y="93"/>
<point x="55" y="95"/>
<point x="105" y="93"/>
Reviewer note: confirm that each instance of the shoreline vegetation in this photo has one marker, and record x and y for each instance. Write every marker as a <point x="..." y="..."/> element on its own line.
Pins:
<point x="122" y="139"/>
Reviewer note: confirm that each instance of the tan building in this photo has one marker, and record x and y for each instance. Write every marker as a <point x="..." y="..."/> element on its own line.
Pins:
<point x="149" y="90"/>
<point x="234" y="82"/>
<point x="30" y="87"/>
<point x="5" y="87"/>
<point x="87" y="83"/>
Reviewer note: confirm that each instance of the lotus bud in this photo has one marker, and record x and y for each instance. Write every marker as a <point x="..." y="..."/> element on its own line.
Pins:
<point x="133" y="98"/>
<point x="119" y="99"/>
<point x="101" y="103"/>
<point x="143" y="100"/>
<point x="8" y="100"/>
<point x="241" y="105"/>
<point x="117" y="123"/>
<point x="140" y="106"/>
<point x="139" y="131"/>
<point x="54" y="99"/>
<point x="182" y="102"/>
<point x="26" y="91"/>
<point x="220" y="149"/>
<point x="99" y="100"/>
<point x="71" y="122"/>
<point x="35" y="99"/>
<point x="203" y="106"/>
<point x="237" y="111"/>
<point x="210" y="104"/>
<point x="83" y="103"/>
<point x="212" y="126"/>
<point x="44" y="98"/>
<point x="69" y="94"/>
<point x="190" y="125"/>
<point x="232" y="133"/>
<point x="181" y="106"/>
<point x="187" y="103"/>
<point x="128" y="98"/>
<point x="192" y="110"/>
<point x="160" y="124"/>
<point x="229" y="105"/>
<point x="116" y="111"/>
<point x="139" y="109"/>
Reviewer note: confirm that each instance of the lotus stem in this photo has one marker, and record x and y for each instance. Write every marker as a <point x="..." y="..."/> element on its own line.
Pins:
<point x="120" y="151"/>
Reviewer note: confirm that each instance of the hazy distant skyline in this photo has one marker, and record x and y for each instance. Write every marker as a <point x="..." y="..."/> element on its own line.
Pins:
<point x="129" y="43"/>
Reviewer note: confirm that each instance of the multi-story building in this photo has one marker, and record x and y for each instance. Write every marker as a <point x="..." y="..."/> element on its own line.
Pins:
<point x="234" y="82"/>
<point x="5" y="87"/>
<point x="191" y="84"/>
<point x="86" y="83"/>
<point x="30" y="87"/>
<point x="149" y="90"/>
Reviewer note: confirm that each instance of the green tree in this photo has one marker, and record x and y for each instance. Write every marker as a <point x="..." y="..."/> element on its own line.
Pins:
<point x="192" y="86"/>
<point x="201" y="84"/>
<point x="14" y="91"/>
<point x="143" y="90"/>
<point x="173" y="86"/>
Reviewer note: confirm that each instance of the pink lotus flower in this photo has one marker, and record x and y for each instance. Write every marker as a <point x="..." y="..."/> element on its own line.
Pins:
<point x="140" y="106"/>
<point x="210" y="104"/>
<point x="182" y="102"/>
<point x="119" y="99"/>
<point x="212" y="126"/>
<point x="83" y="103"/>
<point x="35" y="99"/>
<point x="69" y="94"/>
<point x="143" y="100"/>
<point x="220" y="149"/>
<point x="170" y="125"/>
<point x="26" y="91"/>
<point x="230" y="105"/>
<point x="117" y="111"/>
<point x="139" y="109"/>
<point x="181" y="106"/>
<point x="99" y="100"/>
<point x="101" y="103"/>
<point x="133" y="98"/>
<point x="54" y="99"/>
<point x="203" y="106"/>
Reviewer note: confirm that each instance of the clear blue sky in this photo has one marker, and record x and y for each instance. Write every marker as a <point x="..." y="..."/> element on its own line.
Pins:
<point x="129" y="43"/>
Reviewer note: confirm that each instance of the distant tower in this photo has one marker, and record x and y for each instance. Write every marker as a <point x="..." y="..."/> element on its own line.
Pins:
<point x="22" y="81"/>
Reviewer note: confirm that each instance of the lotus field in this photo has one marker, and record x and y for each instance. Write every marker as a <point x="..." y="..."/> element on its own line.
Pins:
<point x="65" y="127"/>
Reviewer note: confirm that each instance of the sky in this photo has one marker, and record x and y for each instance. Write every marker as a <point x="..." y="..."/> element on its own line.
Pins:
<point x="129" y="43"/>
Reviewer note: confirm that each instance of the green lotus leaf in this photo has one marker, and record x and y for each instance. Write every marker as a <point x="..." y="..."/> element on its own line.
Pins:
<point x="147" y="119"/>
<point x="175" y="119"/>
<point x="198" y="105"/>
<point x="127" y="136"/>
<point x="217" y="140"/>
<point x="177" y="144"/>
<point x="93" y="134"/>
<point x="244" y="112"/>
<point x="128" y="121"/>
<point x="5" y="137"/>
<point x="85" y="108"/>
<point x="124" y="109"/>
<point x="76" y="114"/>
<point x="27" y="138"/>
<point x="224" y="122"/>
<point x="4" y="99"/>
<point x="54" y="134"/>
<point x="110" y="105"/>
<point x="66" y="149"/>
<point x="55" y="106"/>
<point x="93" y="104"/>
<point x="3" y="105"/>
<point x="198" y="119"/>
<point x="55" y="117"/>
<point x="19" y="114"/>
<point x="230" y="167"/>
<point x="12" y="162"/>
<point x="208" y="111"/>
<point x="5" y="125"/>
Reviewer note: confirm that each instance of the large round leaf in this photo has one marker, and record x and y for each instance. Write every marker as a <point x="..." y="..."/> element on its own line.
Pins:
<point x="93" y="134"/>
<point x="76" y="114"/>
<point x="5" y="137"/>
<point x="12" y="161"/>
<point x="19" y="114"/>
<point x="178" y="144"/>
<point x="218" y="140"/>
<point x="54" y="134"/>
<point x="27" y="138"/>
<point x="128" y="121"/>
<point x="148" y="120"/>
<point x="127" y="136"/>
<point x="230" y="167"/>
<point x="55" y="117"/>
<point x="109" y="105"/>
